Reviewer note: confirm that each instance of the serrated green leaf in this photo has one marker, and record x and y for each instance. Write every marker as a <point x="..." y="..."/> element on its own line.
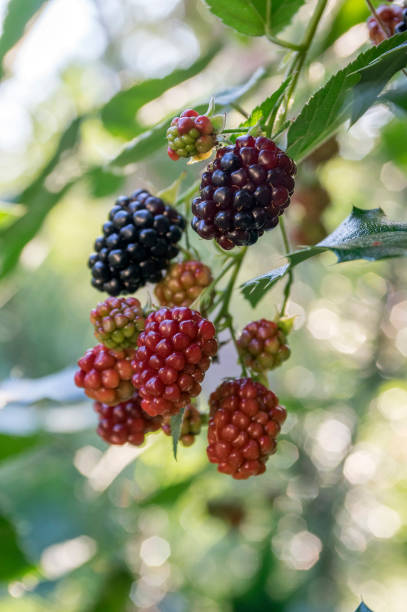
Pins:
<point x="14" y="563"/>
<point x="250" y="16"/>
<point x="341" y="98"/>
<point x="18" y="15"/>
<point x="256" y="288"/>
<point x="263" y="110"/>
<point x="176" y="427"/>
<point x="119" y="115"/>
<point x="396" y="98"/>
<point x="11" y="446"/>
<point x="363" y="608"/>
<point x="365" y="234"/>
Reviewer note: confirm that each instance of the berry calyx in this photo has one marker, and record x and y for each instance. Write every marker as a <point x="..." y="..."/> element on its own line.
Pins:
<point x="190" y="134"/>
<point x="125" y="422"/>
<point x="393" y="18"/>
<point x="191" y="425"/>
<point x="138" y="242"/>
<point x="262" y="345"/>
<point x="174" y="352"/>
<point x="245" y="419"/>
<point x="243" y="192"/>
<point x="183" y="283"/>
<point x="118" y="322"/>
<point x="105" y="374"/>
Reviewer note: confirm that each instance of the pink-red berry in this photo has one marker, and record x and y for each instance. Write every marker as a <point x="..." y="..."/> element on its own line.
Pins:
<point x="118" y="322"/>
<point x="262" y="345"/>
<point x="392" y="17"/>
<point x="189" y="135"/>
<point x="245" y="419"/>
<point x="125" y="422"/>
<point x="174" y="352"/>
<point x="183" y="283"/>
<point x="105" y="374"/>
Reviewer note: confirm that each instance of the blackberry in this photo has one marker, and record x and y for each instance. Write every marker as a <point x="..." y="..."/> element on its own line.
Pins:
<point x="243" y="192"/>
<point x="183" y="283"/>
<point x="105" y="374"/>
<point x="245" y="419"/>
<point x="118" y="322"/>
<point x="125" y="422"/>
<point x="138" y="242"/>
<point x="262" y="345"/>
<point x="392" y="17"/>
<point x="191" y="425"/>
<point x="189" y="135"/>
<point x="174" y="352"/>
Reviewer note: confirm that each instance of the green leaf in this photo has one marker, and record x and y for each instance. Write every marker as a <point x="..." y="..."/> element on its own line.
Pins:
<point x="119" y="115"/>
<point x="263" y="110"/>
<point x="114" y="595"/>
<point x="10" y="446"/>
<point x="176" y="427"/>
<point x="250" y="16"/>
<point x="365" y="234"/>
<point x="142" y="146"/>
<point x="348" y="94"/>
<point x="256" y="288"/>
<point x="103" y="182"/>
<point x="168" y="495"/>
<point x="39" y="201"/>
<point x="18" y="14"/>
<point x="396" y="98"/>
<point x="363" y="608"/>
<point x="14" y="563"/>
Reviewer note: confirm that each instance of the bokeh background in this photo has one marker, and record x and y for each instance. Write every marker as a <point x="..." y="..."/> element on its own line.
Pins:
<point x="87" y="529"/>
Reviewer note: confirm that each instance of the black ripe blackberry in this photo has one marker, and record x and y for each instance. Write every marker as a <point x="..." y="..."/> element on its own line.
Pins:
<point x="138" y="242"/>
<point x="243" y="192"/>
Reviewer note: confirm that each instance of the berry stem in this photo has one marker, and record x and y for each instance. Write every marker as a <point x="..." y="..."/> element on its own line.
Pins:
<point x="236" y="130"/>
<point x="227" y="296"/>
<point x="239" y="109"/>
<point x="229" y="325"/>
<point x="287" y="288"/>
<point x="274" y="39"/>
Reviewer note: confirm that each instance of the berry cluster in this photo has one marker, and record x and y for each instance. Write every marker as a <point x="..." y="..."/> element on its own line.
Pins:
<point x="243" y="192"/>
<point x="118" y="322"/>
<point x="394" y="19"/>
<point x="125" y="422"/>
<point x="191" y="425"/>
<point x="262" y="345"/>
<point x="189" y="135"/>
<point x="183" y="283"/>
<point x="175" y="350"/>
<point x="105" y="374"/>
<point x="138" y="243"/>
<point x="245" y="419"/>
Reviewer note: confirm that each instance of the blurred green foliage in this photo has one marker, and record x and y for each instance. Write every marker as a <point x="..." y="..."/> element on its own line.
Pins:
<point x="83" y="528"/>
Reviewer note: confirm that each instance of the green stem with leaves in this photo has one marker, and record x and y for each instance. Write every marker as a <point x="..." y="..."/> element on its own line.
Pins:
<point x="290" y="275"/>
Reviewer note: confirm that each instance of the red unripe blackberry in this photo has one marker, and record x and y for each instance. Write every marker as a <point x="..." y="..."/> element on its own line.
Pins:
<point x="125" y="422"/>
<point x="191" y="425"/>
<point x="190" y="134"/>
<point x="105" y="374"/>
<point x="262" y="345"/>
<point x="393" y="19"/>
<point x="139" y="240"/>
<point x="243" y="192"/>
<point x="183" y="283"/>
<point x="118" y="322"/>
<point x="245" y="419"/>
<point x="174" y="352"/>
